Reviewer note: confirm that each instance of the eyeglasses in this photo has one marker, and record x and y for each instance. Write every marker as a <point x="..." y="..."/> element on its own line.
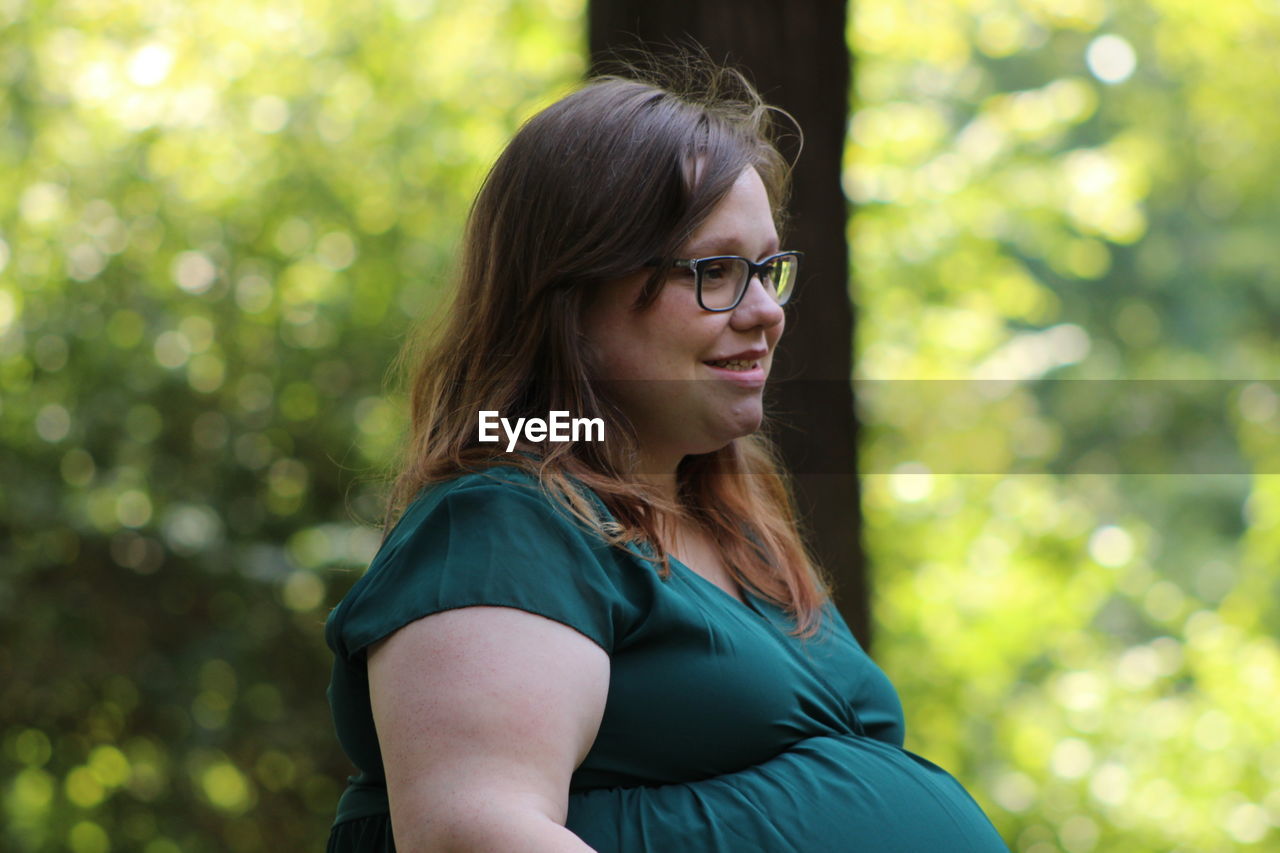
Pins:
<point x="721" y="281"/>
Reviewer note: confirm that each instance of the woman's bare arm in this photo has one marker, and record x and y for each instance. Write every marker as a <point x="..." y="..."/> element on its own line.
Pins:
<point x="483" y="713"/>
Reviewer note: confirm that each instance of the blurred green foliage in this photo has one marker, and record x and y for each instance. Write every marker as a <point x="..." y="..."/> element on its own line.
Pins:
<point x="216" y="222"/>
<point x="1065" y="271"/>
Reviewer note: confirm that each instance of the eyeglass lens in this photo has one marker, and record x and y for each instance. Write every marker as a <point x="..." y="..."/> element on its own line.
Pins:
<point x="723" y="280"/>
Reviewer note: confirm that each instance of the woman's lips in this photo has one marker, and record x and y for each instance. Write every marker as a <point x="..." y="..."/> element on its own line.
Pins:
<point x="733" y="363"/>
<point x="748" y="377"/>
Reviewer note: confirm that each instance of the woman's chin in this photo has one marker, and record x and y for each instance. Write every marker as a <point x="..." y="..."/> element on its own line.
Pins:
<point x="740" y="426"/>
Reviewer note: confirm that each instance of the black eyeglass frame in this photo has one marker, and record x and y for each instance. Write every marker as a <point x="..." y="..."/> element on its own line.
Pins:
<point x="754" y="270"/>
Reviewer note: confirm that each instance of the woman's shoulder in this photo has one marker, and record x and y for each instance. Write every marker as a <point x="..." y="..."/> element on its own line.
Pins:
<point x="502" y="478"/>
<point x="494" y="536"/>
<point x="488" y="495"/>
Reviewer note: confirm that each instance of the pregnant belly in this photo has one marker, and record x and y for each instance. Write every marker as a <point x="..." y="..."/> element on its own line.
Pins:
<point x="830" y="793"/>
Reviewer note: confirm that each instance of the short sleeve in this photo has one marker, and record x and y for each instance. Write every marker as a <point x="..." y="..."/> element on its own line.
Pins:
<point x="485" y="542"/>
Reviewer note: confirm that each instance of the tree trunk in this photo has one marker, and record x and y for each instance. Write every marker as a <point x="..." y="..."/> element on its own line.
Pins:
<point x="797" y="56"/>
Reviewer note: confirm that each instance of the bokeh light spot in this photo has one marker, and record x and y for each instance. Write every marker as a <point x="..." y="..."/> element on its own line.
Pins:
<point x="31" y="746"/>
<point x="336" y="250"/>
<point x="193" y="271"/>
<point x="109" y="765"/>
<point x="150" y="64"/>
<point x="87" y="837"/>
<point x="171" y="349"/>
<point x="1111" y="546"/>
<point x="191" y="528"/>
<point x="206" y="373"/>
<point x="254" y="293"/>
<point x="1014" y="791"/>
<point x="1111" y="58"/>
<point x="911" y="482"/>
<point x="268" y="114"/>
<point x="162" y="845"/>
<point x="83" y="788"/>
<point x="275" y="770"/>
<point x="1258" y="403"/>
<point x="53" y="422"/>
<point x="133" y="508"/>
<point x="1079" y="834"/>
<point x="1248" y="823"/>
<point x="303" y="591"/>
<point x="43" y="202"/>
<point x="51" y="352"/>
<point x="31" y="792"/>
<point x="226" y="787"/>
<point x="1071" y="758"/>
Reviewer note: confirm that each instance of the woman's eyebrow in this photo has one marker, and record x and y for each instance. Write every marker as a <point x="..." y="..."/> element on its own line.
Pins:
<point x="726" y="246"/>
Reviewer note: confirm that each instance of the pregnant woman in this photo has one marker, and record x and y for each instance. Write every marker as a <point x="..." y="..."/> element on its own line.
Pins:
<point x="617" y="644"/>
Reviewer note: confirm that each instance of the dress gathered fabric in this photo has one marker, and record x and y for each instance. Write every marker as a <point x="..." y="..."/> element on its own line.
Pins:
<point x="721" y="733"/>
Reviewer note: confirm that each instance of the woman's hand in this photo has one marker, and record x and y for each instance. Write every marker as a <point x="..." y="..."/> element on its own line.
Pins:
<point x="483" y="713"/>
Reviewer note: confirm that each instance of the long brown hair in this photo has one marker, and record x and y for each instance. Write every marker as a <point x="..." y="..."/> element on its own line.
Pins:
<point x="588" y="191"/>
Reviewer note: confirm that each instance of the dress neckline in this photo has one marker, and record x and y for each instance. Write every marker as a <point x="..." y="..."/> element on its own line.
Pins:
<point x="748" y="603"/>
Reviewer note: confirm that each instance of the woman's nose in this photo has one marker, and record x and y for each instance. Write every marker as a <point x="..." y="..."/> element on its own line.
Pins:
<point x="758" y="307"/>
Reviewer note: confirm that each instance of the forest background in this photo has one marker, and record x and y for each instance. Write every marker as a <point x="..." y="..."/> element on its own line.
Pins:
<point x="217" y="220"/>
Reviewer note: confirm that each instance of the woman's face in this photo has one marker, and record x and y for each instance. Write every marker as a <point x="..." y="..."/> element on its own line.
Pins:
<point x="657" y="363"/>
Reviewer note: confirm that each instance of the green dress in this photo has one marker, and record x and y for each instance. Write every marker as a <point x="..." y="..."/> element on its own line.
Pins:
<point x="720" y="732"/>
